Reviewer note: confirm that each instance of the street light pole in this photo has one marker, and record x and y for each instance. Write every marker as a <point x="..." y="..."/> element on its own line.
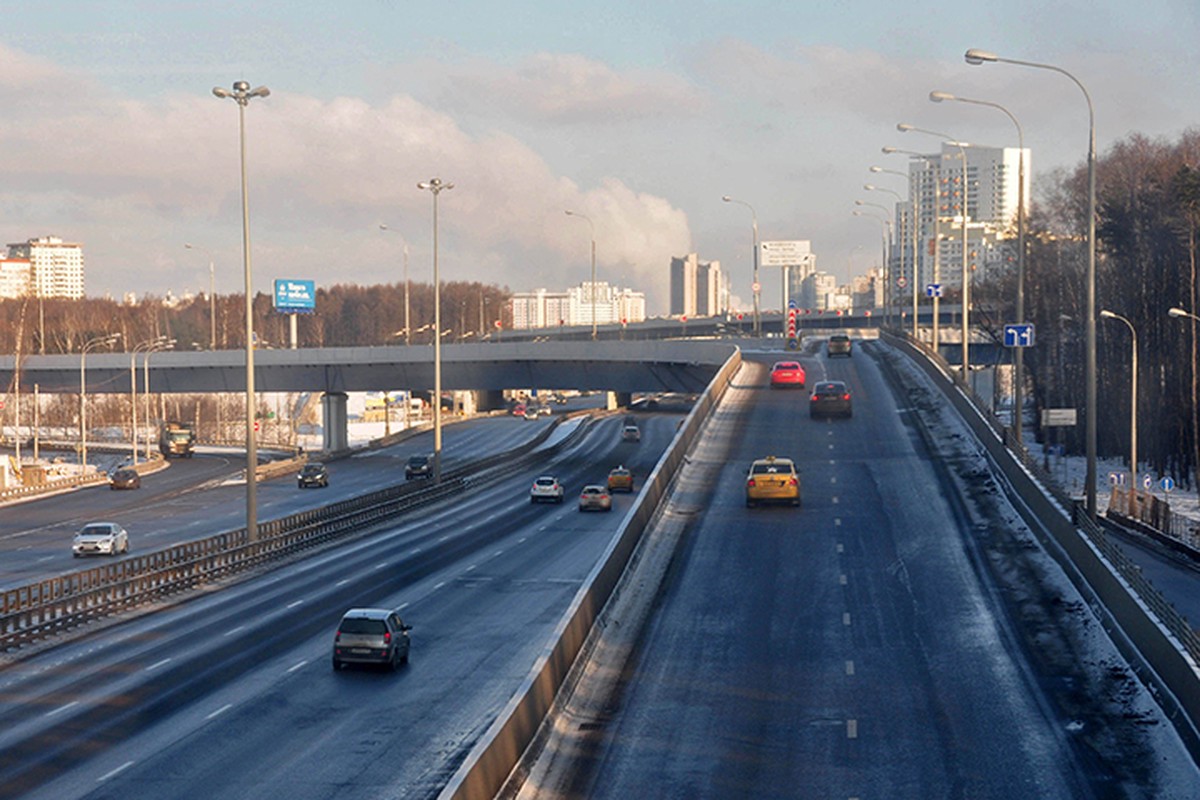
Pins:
<point x="593" y="229"/>
<point x="885" y="230"/>
<point x="966" y="272"/>
<point x="137" y="348"/>
<point x="212" y="301"/>
<point x="407" y="326"/>
<point x="1133" y="403"/>
<point x="977" y="56"/>
<point x="891" y="235"/>
<point x="1019" y="355"/>
<point x="914" y="225"/>
<point x="436" y="186"/>
<point x="757" y="287"/>
<point x="241" y="94"/>
<point x="99" y="341"/>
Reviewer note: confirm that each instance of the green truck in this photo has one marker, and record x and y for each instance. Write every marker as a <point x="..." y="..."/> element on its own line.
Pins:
<point x="177" y="439"/>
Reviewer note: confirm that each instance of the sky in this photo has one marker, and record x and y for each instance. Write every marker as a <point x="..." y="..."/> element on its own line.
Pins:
<point x="638" y="117"/>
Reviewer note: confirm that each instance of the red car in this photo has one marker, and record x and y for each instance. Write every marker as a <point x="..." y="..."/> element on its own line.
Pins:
<point x="787" y="375"/>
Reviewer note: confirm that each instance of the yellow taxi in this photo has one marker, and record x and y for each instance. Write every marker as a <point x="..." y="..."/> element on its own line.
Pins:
<point x="772" y="480"/>
<point x="620" y="480"/>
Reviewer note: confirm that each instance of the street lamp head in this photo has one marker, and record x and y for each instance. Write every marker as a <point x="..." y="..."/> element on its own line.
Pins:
<point x="1106" y="313"/>
<point x="888" y="150"/>
<point x="903" y="127"/>
<point x="241" y="86"/>
<point x="221" y="92"/>
<point x="1176" y="312"/>
<point x="874" y="168"/>
<point x="976" y="56"/>
<point x="938" y="97"/>
<point x="261" y="91"/>
<point x="726" y="198"/>
<point x="870" y="187"/>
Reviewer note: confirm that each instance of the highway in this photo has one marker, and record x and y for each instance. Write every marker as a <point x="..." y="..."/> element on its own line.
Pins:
<point x="873" y="643"/>
<point x="231" y="694"/>
<point x="881" y="641"/>
<point x="205" y="494"/>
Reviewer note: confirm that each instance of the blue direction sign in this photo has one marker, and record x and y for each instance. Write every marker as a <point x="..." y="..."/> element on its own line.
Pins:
<point x="1018" y="335"/>
<point x="1167" y="484"/>
<point x="933" y="290"/>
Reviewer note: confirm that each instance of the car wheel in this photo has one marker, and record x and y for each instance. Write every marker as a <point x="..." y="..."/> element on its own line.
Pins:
<point x="404" y="658"/>
<point x="337" y="665"/>
<point x="394" y="662"/>
<point x="749" y="503"/>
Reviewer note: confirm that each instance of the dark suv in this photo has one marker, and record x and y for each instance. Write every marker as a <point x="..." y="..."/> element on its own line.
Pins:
<point x="419" y="467"/>
<point x="371" y="636"/>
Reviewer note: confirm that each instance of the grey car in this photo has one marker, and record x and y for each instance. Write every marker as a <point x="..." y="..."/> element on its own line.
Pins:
<point x="371" y="636"/>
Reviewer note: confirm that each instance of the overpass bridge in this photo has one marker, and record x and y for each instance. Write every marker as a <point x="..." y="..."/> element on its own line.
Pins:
<point x="486" y="369"/>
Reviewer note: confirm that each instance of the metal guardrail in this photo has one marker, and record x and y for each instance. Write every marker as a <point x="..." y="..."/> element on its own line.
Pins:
<point x="52" y="605"/>
<point x="1148" y="629"/>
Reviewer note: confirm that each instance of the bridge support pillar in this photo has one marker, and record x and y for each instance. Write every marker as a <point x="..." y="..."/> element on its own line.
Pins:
<point x="489" y="400"/>
<point x="336" y="431"/>
<point x="618" y="400"/>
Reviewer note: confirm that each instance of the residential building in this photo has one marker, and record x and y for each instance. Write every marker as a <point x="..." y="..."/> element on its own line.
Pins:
<point x="56" y="266"/>
<point x="683" y="285"/>
<point x="16" y="278"/>
<point x="546" y="309"/>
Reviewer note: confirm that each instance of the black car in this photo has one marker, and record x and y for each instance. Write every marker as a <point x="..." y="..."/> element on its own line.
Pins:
<point x="125" y="478"/>
<point x="313" y="474"/>
<point x="420" y="466"/>
<point x="830" y="399"/>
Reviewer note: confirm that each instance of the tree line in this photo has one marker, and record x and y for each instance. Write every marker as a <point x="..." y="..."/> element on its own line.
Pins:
<point x="1147" y="217"/>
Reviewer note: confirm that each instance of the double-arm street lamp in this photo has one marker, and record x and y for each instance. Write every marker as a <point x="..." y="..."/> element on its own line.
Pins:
<point x="99" y="341"/>
<point x="1019" y="355"/>
<point x="977" y="56"/>
<point x="914" y="226"/>
<point x="407" y="325"/>
<point x="966" y="273"/>
<point x="241" y="94"/>
<point x="436" y="186"/>
<point x="212" y="296"/>
<point x="887" y="270"/>
<point x="885" y="233"/>
<point x="756" y="286"/>
<point x="592" y="226"/>
<point x="1133" y="401"/>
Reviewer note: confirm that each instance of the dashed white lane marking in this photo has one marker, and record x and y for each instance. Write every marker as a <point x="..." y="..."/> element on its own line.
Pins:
<point x="440" y="585"/>
<point x="444" y="538"/>
<point x="522" y="540"/>
<point x="60" y="709"/>
<point x="837" y="523"/>
<point x="414" y="551"/>
<point x="381" y="565"/>
<point x="114" y="772"/>
<point x="849" y="667"/>
<point x="158" y="664"/>
<point x="297" y="666"/>
<point x="342" y="582"/>
<point x="294" y="603"/>
<point x="44" y="558"/>
<point x="846" y="618"/>
<point x="468" y="569"/>
<point x="234" y="630"/>
<point x="842" y="579"/>
<point x="220" y="711"/>
<point x="840" y="549"/>
<point x="851" y="729"/>
<point x="497" y="554"/>
<point x="402" y="606"/>
<point x="833" y="479"/>
<point x="835" y="499"/>
<point x="830" y="447"/>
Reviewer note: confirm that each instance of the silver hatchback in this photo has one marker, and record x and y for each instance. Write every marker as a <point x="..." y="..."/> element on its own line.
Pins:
<point x="371" y="636"/>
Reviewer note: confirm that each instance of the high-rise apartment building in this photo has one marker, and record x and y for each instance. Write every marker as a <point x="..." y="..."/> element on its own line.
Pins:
<point x="698" y="288"/>
<point x="16" y="278"/>
<point x="990" y="196"/>
<point x="56" y="267"/>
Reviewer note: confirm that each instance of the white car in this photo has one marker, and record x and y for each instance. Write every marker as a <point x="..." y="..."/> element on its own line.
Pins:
<point x="100" y="538"/>
<point x="546" y="488"/>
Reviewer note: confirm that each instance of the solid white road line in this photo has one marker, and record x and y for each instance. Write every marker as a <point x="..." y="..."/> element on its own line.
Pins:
<point x="297" y="666"/>
<point x="111" y="773"/>
<point x="220" y="711"/>
<point x="62" y="708"/>
<point x="157" y="664"/>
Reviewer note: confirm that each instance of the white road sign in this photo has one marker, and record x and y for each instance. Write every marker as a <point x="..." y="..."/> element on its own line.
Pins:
<point x="784" y="254"/>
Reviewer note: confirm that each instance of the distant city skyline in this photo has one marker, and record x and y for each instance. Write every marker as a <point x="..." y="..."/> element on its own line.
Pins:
<point x="641" y="116"/>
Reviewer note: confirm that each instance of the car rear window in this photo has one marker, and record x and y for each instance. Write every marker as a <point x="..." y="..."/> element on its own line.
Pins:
<point x="770" y="469"/>
<point x="363" y="626"/>
<point x="545" y="481"/>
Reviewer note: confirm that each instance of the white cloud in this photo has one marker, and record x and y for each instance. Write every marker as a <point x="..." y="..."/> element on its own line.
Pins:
<point x="134" y="179"/>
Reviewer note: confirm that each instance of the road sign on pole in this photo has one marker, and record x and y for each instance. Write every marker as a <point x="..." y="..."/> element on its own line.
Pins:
<point x="933" y="290"/>
<point x="1018" y="335"/>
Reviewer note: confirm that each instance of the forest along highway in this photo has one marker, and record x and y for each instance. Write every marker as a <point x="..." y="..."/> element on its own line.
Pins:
<point x="899" y="636"/>
<point x="231" y="694"/>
